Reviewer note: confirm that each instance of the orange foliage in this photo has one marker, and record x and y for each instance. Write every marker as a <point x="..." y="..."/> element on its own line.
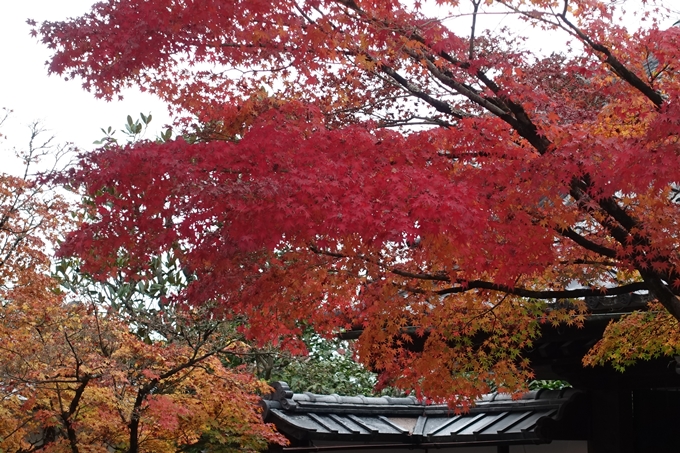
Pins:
<point x="74" y="380"/>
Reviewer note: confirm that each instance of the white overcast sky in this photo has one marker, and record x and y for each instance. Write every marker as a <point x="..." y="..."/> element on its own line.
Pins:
<point x="69" y="113"/>
<point x="63" y="107"/>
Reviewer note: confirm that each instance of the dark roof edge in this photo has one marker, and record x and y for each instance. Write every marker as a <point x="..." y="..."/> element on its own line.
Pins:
<point x="390" y="446"/>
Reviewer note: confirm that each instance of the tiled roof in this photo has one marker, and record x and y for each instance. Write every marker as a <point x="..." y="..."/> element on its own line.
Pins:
<point x="540" y="416"/>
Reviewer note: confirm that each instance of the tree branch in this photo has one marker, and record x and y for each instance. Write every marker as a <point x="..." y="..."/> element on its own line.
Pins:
<point x="66" y="416"/>
<point x="475" y="4"/>
<point x="463" y="286"/>
<point x="616" y="66"/>
<point x="440" y="106"/>
<point x="586" y="243"/>
<point x="548" y="294"/>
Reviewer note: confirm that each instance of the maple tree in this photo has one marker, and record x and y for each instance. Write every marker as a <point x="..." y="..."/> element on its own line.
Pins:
<point x="74" y="377"/>
<point x="75" y="380"/>
<point x="376" y="163"/>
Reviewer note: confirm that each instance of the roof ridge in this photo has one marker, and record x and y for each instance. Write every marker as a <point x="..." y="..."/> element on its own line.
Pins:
<point x="308" y="401"/>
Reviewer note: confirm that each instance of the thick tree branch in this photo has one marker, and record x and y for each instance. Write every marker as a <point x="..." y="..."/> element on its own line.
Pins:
<point x="616" y="66"/>
<point x="440" y="106"/>
<point x="614" y="63"/>
<point x="587" y="244"/>
<point x="547" y="294"/>
<point x="67" y="415"/>
<point x="662" y="291"/>
<point x="515" y="115"/>
<point x="468" y="285"/>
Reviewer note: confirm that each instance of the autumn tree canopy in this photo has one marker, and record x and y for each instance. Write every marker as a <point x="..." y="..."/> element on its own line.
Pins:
<point x="392" y="164"/>
<point x="76" y="377"/>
